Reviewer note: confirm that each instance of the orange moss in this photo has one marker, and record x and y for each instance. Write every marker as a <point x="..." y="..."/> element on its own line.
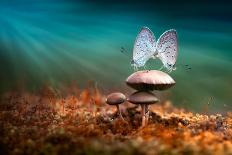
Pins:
<point x="51" y="123"/>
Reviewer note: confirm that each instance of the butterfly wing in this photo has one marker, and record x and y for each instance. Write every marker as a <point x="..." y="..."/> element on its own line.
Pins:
<point x="167" y="48"/>
<point x="144" y="47"/>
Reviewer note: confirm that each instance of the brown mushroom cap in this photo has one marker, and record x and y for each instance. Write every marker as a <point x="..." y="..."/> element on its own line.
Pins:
<point x="143" y="97"/>
<point x="115" y="98"/>
<point x="150" y="80"/>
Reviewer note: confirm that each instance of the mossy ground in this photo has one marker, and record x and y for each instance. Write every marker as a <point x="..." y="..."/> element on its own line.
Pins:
<point x="47" y="123"/>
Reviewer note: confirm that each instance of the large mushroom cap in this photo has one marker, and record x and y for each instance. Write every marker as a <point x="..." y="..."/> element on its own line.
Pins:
<point x="150" y="80"/>
<point x="143" y="97"/>
<point x="115" y="98"/>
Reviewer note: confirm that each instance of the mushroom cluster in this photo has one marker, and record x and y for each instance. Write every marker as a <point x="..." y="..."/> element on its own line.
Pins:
<point x="144" y="82"/>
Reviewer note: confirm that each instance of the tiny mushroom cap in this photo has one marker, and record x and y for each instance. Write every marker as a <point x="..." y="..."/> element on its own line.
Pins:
<point x="115" y="98"/>
<point x="150" y="80"/>
<point x="142" y="97"/>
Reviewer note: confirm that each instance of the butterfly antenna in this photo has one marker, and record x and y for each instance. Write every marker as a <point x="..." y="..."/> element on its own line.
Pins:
<point x="185" y="66"/>
<point x="124" y="51"/>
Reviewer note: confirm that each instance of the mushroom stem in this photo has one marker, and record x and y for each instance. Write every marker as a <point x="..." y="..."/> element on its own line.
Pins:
<point x="146" y="113"/>
<point x="146" y="108"/>
<point x="143" y="115"/>
<point x="119" y="112"/>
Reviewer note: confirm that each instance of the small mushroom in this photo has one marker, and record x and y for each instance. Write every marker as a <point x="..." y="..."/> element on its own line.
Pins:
<point x="143" y="98"/>
<point x="116" y="99"/>
<point x="149" y="80"/>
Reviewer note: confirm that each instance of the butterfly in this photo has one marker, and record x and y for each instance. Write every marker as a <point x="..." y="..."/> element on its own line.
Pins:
<point x="145" y="48"/>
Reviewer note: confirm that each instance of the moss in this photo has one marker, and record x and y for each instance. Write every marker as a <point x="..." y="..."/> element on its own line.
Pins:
<point x="47" y="124"/>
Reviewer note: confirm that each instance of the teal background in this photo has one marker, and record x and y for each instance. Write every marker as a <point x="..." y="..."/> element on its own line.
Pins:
<point x="57" y="42"/>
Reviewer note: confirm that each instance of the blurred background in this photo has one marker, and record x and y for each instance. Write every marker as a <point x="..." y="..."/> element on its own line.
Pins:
<point x="64" y="41"/>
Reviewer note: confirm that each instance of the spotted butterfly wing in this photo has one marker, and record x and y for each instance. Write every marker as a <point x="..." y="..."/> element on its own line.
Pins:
<point x="168" y="49"/>
<point x="144" y="47"/>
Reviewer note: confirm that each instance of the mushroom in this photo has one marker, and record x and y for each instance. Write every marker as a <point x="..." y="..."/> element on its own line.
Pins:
<point x="143" y="98"/>
<point x="150" y="80"/>
<point x="145" y="82"/>
<point x="116" y="99"/>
